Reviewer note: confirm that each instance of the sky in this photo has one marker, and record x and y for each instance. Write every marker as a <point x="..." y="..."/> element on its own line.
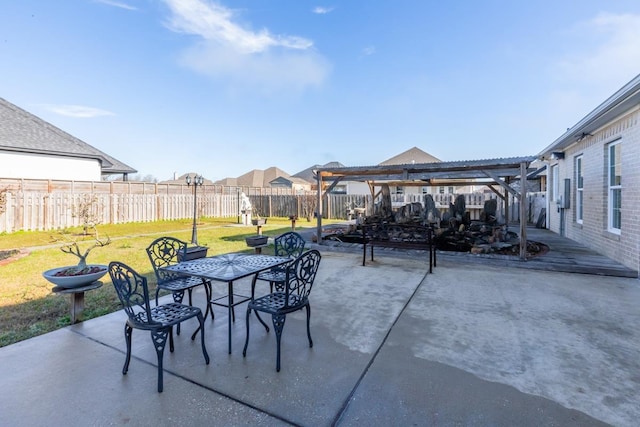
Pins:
<point x="224" y="87"/>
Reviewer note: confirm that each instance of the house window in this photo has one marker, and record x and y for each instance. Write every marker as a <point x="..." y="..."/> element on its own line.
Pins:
<point x="579" y="188"/>
<point x="450" y="190"/>
<point x="425" y="190"/>
<point x="441" y="189"/>
<point x="399" y="190"/>
<point x="555" y="184"/>
<point x="615" y="187"/>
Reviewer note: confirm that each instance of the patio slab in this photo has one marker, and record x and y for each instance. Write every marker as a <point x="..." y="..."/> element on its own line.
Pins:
<point x="466" y="345"/>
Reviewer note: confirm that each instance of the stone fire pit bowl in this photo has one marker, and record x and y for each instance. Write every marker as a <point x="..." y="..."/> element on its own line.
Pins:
<point x="75" y="281"/>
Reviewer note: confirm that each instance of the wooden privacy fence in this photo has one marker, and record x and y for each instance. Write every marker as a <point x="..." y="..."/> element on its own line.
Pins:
<point x="48" y="211"/>
<point x="46" y="205"/>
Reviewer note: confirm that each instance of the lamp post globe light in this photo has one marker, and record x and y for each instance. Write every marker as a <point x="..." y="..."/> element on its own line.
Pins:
<point x="196" y="181"/>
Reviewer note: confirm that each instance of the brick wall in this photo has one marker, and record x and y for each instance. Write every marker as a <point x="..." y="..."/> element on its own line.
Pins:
<point x="624" y="248"/>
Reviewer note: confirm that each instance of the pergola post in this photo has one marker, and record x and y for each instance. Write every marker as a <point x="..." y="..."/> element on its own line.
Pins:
<point x="319" y="207"/>
<point x="523" y="211"/>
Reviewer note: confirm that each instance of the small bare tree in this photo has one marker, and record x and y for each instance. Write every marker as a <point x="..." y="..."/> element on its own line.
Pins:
<point x="86" y="210"/>
<point x="73" y="248"/>
<point x="309" y="206"/>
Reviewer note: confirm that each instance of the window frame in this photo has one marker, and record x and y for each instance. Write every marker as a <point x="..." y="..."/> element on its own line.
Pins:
<point x="555" y="183"/>
<point x="614" y="187"/>
<point x="579" y="167"/>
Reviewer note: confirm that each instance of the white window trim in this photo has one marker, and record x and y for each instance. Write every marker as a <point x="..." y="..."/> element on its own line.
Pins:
<point x="579" y="189"/>
<point x="555" y="184"/>
<point x="610" y="190"/>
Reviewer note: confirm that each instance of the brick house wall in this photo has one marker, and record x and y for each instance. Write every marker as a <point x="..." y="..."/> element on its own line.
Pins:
<point x="593" y="232"/>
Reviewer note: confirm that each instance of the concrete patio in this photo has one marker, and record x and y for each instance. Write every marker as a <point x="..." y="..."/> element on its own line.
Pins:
<point x="470" y="344"/>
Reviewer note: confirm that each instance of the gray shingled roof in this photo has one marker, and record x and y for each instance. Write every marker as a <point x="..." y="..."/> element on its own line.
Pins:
<point x="255" y="178"/>
<point x="308" y="174"/>
<point x="21" y="131"/>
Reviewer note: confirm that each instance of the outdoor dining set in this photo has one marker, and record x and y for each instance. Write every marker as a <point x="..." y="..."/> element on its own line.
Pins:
<point x="290" y="273"/>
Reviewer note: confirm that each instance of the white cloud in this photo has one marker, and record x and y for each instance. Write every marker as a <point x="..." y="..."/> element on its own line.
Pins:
<point x="79" y="111"/>
<point x="320" y="10"/>
<point x="614" y="57"/>
<point x="369" y="50"/>
<point x="604" y="56"/>
<point x="117" y="4"/>
<point x="227" y="49"/>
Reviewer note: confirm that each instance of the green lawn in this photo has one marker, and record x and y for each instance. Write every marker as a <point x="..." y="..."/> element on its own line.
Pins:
<point x="29" y="308"/>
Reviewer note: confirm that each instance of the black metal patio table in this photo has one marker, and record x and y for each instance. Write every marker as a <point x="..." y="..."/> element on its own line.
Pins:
<point x="227" y="268"/>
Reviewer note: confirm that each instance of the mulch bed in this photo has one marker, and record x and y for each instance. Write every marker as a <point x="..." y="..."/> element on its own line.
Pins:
<point x="10" y="255"/>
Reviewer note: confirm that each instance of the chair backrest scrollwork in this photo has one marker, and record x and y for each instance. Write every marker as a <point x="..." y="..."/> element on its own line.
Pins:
<point x="133" y="292"/>
<point x="290" y="244"/>
<point x="165" y="251"/>
<point x="301" y="274"/>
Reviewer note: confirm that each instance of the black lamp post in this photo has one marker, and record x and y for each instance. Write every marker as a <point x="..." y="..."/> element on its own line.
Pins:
<point x="197" y="180"/>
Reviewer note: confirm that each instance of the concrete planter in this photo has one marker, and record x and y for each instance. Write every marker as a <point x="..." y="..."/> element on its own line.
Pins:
<point x="193" y="252"/>
<point x="256" y="240"/>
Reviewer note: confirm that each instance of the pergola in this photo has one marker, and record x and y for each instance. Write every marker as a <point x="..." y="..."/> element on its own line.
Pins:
<point x="496" y="174"/>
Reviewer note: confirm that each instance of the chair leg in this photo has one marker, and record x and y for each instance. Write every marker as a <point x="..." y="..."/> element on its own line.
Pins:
<point x="308" y="330"/>
<point x="253" y="289"/>
<point x="190" y="290"/>
<point x="157" y="293"/>
<point x="128" y="330"/>
<point x="261" y="321"/>
<point x="204" y="347"/>
<point x="159" y="339"/>
<point x="278" y="326"/>
<point x="178" y="296"/>
<point x="246" y="341"/>
<point x="171" y="338"/>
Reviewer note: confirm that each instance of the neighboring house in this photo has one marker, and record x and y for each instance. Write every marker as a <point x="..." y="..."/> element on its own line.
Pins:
<point x="593" y="178"/>
<point x="31" y="148"/>
<point x="296" y="184"/>
<point x="413" y="156"/>
<point x="256" y="178"/>
<point x="182" y="179"/>
<point x="309" y="175"/>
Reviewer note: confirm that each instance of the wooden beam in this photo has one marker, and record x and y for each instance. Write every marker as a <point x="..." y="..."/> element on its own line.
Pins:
<point x="492" y="188"/>
<point x="332" y="185"/>
<point x="503" y="184"/>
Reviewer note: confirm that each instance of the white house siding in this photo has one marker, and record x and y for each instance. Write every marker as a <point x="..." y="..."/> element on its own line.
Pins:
<point x="36" y="166"/>
<point x="625" y="247"/>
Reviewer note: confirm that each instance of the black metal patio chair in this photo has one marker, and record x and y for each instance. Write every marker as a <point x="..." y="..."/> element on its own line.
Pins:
<point x="296" y="287"/>
<point x="165" y="251"/>
<point x="290" y="244"/>
<point x="133" y="292"/>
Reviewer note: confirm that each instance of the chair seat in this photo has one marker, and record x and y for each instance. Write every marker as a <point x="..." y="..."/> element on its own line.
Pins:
<point x="180" y="284"/>
<point x="166" y="315"/>
<point x="275" y="275"/>
<point x="275" y="303"/>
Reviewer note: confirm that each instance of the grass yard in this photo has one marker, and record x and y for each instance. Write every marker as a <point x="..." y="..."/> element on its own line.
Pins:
<point x="28" y="307"/>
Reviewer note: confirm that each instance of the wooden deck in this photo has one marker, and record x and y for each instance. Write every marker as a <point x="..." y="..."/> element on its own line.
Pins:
<point x="564" y="255"/>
